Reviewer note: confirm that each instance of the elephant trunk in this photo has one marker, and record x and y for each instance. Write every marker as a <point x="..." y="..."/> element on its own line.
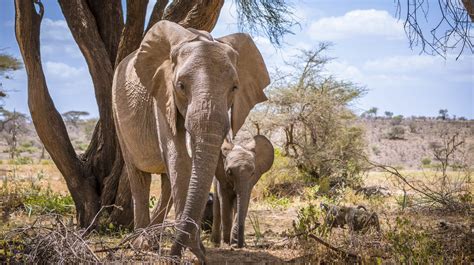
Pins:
<point x="207" y="136"/>
<point x="243" y="200"/>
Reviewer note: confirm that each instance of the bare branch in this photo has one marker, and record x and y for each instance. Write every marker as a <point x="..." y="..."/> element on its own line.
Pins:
<point x="453" y="30"/>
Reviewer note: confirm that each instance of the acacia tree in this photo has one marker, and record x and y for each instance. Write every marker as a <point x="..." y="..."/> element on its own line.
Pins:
<point x="8" y="63"/>
<point x="97" y="178"/>
<point x="73" y="116"/>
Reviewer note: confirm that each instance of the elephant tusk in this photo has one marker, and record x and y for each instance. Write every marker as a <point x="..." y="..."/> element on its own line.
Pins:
<point x="188" y="144"/>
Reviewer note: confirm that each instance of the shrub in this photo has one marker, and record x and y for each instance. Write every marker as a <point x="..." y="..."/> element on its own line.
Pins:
<point x="396" y="133"/>
<point x="21" y="160"/>
<point x="397" y="120"/>
<point x="376" y="150"/>
<point x="412" y="245"/>
<point x="413" y="128"/>
<point x="426" y="161"/>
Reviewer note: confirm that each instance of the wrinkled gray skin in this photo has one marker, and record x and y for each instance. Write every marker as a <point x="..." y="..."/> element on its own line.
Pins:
<point x="241" y="168"/>
<point x="182" y="82"/>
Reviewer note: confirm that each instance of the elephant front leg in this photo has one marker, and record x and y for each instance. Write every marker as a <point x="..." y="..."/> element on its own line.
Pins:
<point x="140" y="187"/>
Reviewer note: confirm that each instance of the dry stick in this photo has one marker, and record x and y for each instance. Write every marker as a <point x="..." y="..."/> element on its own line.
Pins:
<point x="97" y="215"/>
<point x="346" y="253"/>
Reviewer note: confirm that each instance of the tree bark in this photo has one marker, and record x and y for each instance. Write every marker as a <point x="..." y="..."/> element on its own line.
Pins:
<point x="200" y="15"/>
<point x="157" y="13"/>
<point x="133" y="31"/>
<point x="46" y="119"/>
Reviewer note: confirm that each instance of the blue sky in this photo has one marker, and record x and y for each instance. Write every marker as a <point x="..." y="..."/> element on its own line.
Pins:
<point x="370" y="48"/>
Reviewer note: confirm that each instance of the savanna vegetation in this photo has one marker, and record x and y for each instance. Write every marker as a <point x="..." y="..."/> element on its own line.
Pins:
<point x="60" y="197"/>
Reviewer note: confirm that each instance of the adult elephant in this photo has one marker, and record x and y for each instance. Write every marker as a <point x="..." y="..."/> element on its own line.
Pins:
<point x="183" y="82"/>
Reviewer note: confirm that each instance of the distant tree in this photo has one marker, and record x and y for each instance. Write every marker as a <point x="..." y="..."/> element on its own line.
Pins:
<point x="443" y="114"/>
<point x="388" y="114"/>
<point x="74" y="116"/>
<point x="371" y="113"/>
<point x="12" y="125"/>
<point x="397" y="120"/>
<point x="8" y="63"/>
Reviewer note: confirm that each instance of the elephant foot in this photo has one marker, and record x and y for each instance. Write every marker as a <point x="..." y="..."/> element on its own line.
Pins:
<point x="196" y="247"/>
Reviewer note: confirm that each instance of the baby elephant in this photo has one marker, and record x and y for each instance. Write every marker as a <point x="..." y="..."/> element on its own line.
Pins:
<point x="357" y="218"/>
<point x="239" y="169"/>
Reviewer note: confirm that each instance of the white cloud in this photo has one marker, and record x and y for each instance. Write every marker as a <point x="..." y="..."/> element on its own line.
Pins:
<point x="62" y="70"/>
<point x="357" y="23"/>
<point x="401" y="64"/>
<point x="344" y="71"/>
<point x="56" y="30"/>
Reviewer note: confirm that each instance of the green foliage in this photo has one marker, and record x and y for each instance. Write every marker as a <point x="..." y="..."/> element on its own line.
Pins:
<point x="275" y="202"/>
<point x="426" y="162"/>
<point x="388" y="114"/>
<point x="79" y="145"/>
<point x="313" y="113"/>
<point x="376" y="150"/>
<point x="46" y="162"/>
<point x="11" y="251"/>
<point x="283" y="171"/>
<point x="412" y="245"/>
<point x="396" y="133"/>
<point x="47" y="201"/>
<point x="254" y="221"/>
<point x="443" y="114"/>
<point x="21" y="160"/>
<point x="152" y="202"/>
<point x="29" y="195"/>
<point x="307" y="220"/>
<point x="397" y="120"/>
<point x="27" y="147"/>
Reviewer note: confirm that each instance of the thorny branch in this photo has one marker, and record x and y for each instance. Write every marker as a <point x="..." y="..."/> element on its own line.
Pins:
<point x="453" y="29"/>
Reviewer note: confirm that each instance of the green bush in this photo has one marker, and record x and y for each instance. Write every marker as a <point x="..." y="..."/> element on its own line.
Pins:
<point x="396" y="133"/>
<point x="34" y="198"/>
<point x="412" y="245"/>
<point x="426" y="162"/>
<point x="307" y="220"/>
<point x="397" y="120"/>
<point x="21" y="160"/>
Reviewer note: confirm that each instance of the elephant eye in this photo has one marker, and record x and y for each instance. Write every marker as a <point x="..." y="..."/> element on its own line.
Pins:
<point x="234" y="88"/>
<point x="180" y="85"/>
<point x="229" y="172"/>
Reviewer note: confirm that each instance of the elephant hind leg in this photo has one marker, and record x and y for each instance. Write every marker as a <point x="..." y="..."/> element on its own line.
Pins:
<point x="161" y="210"/>
<point x="140" y="186"/>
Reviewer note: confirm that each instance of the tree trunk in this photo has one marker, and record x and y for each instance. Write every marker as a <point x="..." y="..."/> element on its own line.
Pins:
<point x="98" y="177"/>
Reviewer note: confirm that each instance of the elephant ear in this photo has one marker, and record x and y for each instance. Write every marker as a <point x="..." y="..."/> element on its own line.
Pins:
<point x="226" y="147"/>
<point x="264" y="153"/>
<point x="154" y="67"/>
<point x="253" y="77"/>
